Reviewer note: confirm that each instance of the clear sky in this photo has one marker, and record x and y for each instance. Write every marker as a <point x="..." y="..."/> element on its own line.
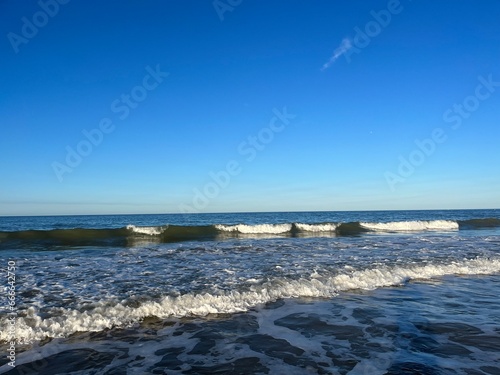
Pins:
<point x="202" y="106"/>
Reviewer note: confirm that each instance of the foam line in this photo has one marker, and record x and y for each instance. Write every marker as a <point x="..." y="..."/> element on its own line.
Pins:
<point x="410" y="226"/>
<point x="256" y="229"/>
<point x="106" y="315"/>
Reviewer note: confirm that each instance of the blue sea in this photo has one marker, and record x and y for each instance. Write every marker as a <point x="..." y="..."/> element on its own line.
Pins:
<point x="381" y="292"/>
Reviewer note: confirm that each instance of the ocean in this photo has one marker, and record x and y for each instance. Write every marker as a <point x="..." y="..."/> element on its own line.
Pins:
<point x="381" y="292"/>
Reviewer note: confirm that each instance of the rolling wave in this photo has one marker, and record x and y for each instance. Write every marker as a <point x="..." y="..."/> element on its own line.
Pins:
<point x="176" y="233"/>
<point x="326" y="227"/>
<point x="256" y="229"/>
<point x="480" y="223"/>
<point x="411" y="226"/>
<point x="151" y="231"/>
<point x="106" y="314"/>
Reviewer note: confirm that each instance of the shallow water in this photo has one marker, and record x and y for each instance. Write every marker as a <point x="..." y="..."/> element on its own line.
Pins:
<point x="445" y="326"/>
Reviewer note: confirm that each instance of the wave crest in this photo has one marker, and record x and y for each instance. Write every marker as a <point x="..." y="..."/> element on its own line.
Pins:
<point x="411" y="226"/>
<point x="150" y="231"/>
<point x="326" y="227"/>
<point x="256" y="229"/>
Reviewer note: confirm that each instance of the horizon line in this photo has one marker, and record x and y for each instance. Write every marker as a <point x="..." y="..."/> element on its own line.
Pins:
<point x="254" y="212"/>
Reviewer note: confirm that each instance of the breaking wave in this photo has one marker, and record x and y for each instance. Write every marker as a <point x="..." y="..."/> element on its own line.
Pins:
<point x="256" y="229"/>
<point x="105" y="314"/>
<point x="411" y="226"/>
<point x="150" y="231"/>
<point x="130" y="234"/>
<point x="326" y="227"/>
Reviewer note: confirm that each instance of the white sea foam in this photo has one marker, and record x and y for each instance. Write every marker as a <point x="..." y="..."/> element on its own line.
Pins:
<point x="105" y="315"/>
<point x="151" y="231"/>
<point x="256" y="229"/>
<point x="327" y="227"/>
<point x="399" y="226"/>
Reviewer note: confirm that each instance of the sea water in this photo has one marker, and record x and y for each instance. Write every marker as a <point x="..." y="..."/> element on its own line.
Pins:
<point x="386" y="292"/>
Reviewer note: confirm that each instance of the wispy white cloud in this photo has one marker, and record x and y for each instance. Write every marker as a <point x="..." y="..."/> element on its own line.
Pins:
<point x="345" y="46"/>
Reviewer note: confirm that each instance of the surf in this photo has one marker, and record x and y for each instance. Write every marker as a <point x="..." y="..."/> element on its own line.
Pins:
<point x="168" y="233"/>
<point x="106" y="314"/>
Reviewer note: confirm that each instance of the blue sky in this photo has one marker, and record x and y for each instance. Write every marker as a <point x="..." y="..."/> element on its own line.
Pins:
<point x="203" y="106"/>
